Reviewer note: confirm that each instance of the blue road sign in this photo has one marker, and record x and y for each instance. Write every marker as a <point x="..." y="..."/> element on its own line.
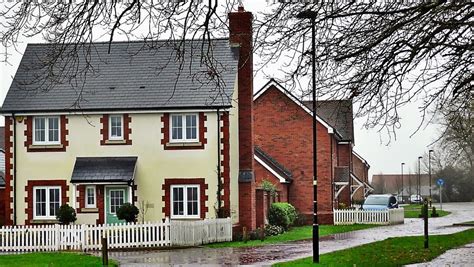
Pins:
<point x="440" y="181"/>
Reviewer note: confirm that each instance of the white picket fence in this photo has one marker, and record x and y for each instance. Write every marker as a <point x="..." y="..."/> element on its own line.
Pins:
<point x="119" y="236"/>
<point x="384" y="217"/>
<point x="193" y="233"/>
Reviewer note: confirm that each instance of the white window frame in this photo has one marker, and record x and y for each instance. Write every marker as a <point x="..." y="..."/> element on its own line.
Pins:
<point x="110" y="199"/>
<point x="48" y="211"/>
<point x="87" y="204"/>
<point x="121" y="128"/>
<point x="185" y="201"/>
<point x="183" y="129"/>
<point x="46" y="129"/>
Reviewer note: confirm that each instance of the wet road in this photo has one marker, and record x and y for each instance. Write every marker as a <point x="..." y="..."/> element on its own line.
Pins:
<point x="266" y="255"/>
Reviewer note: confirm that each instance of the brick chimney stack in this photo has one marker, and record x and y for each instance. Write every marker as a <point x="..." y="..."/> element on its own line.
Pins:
<point x="240" y="25"/>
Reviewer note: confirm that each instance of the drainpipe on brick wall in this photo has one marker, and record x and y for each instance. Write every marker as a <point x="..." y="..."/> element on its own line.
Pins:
<point x="14" y="169"/>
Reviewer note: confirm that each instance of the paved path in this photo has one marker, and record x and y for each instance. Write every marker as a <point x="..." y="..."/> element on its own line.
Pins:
<point x="266" y="255"/>
<point x="459" y="257"/>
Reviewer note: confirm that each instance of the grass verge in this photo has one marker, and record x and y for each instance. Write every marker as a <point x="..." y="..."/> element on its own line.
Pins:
<point x="294" y="234"/>
<point x="390" y="252"/>
<point x="414" y="210"/>
<point x="52" y="259"/>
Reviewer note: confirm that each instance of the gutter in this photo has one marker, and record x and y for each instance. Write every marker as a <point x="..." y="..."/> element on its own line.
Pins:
<point x="114" y="110"/>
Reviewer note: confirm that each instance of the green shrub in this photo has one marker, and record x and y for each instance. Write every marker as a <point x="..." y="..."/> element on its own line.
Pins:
<point x="269" y="187"/>
<point x="127" y="212"/>
<point x="66" y="214"/>
<point x="342" y="206"/>
<point x="282" y="214"/>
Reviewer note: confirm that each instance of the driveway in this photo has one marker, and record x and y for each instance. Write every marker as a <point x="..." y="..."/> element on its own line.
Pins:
<point x="267" y="255"/>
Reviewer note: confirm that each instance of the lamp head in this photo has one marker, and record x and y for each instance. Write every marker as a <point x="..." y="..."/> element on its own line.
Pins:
<point x="307" y="14"/>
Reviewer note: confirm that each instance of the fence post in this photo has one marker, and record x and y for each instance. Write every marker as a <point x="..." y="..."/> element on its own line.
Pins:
<point x="83" y="237"/>
<point x="57" y="236"/>
<point x="105" y="252"/>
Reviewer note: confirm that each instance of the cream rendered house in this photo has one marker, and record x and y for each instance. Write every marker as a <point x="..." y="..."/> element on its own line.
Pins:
<point x="137" y="126"/>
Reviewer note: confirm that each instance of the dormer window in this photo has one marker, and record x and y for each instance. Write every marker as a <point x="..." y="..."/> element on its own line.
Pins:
<point x="46" y="130"/>
<point x="115" y="127"/>
<point x="184" y="128"/>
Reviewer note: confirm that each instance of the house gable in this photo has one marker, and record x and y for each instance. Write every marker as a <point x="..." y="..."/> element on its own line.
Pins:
<point x="272" y="84"/>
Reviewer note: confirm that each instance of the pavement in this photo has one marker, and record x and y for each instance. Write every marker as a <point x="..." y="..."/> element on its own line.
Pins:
<point x="267" y="255"/>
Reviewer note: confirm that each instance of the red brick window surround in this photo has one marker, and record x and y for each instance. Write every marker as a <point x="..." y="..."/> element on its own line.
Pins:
<point x="188" y="182"/>
<point x="29" y="199"/>
<point x="197" y="141"/>
<point x="52" y="142"/>
<point x="116" y="129"/>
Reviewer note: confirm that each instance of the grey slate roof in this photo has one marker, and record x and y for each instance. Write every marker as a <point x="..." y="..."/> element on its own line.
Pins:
<point x="337" y="113"/>
<point x="274" y="164"/>
<point x="103" y="169"/>
<point x="135" y="75"/>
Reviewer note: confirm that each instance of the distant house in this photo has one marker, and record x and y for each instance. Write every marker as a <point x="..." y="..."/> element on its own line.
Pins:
<point x="393" y="184"/>
<point x="283" y="152"/>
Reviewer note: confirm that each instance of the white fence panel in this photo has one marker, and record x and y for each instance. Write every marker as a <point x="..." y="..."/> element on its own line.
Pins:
<point x="383" y="217"/>
<point x="119" y="236"/>
<point x="192" y="233"/>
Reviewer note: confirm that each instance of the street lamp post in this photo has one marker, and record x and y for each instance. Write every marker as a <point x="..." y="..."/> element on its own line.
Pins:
<point x="403" y="163"/>
<point x="429" y="170"/>
<point x="419" y="176"/>
<point x="309" y="14"/>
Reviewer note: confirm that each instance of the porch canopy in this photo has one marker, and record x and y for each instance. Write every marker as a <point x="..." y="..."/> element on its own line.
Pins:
<point x="104" y="170"/>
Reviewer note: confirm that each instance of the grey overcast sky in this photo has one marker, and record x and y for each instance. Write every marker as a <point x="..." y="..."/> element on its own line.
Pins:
<point x="384" y="154"/>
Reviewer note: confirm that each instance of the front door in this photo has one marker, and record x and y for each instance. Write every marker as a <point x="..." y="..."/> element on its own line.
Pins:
<point x="115" y="198"/>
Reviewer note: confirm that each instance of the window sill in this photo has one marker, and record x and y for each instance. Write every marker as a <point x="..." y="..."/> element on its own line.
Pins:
<point x="38" y="146"/>
<point x="183" y="144"/>
<point x="116" y="142"/>
<point x="89" y="210"/>
<point x="44" y="221"/>
<point x="194" y="218"/>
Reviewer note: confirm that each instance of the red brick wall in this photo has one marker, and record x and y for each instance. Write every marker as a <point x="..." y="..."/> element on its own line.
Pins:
<point x="225" y="161"/>
<point x="240" y="24"/>
<point x="100" y="194"/>
<point x="247" y="205"/>
<point x="29" y="194"/>
<point x="360" y="169"/>
<point x="362" y="172"/>
<point x="284" y="130"/>
<point x="344" y="155"/>
<point x="261" y="202"/>
<point x="240" y="33"/>
<point x="203" y="197"/>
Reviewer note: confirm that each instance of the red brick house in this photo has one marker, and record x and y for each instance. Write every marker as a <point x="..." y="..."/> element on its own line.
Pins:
<point x="283" y="154"/>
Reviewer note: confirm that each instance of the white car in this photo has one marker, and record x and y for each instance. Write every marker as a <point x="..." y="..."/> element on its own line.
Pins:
<point x="416" y="199"/>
